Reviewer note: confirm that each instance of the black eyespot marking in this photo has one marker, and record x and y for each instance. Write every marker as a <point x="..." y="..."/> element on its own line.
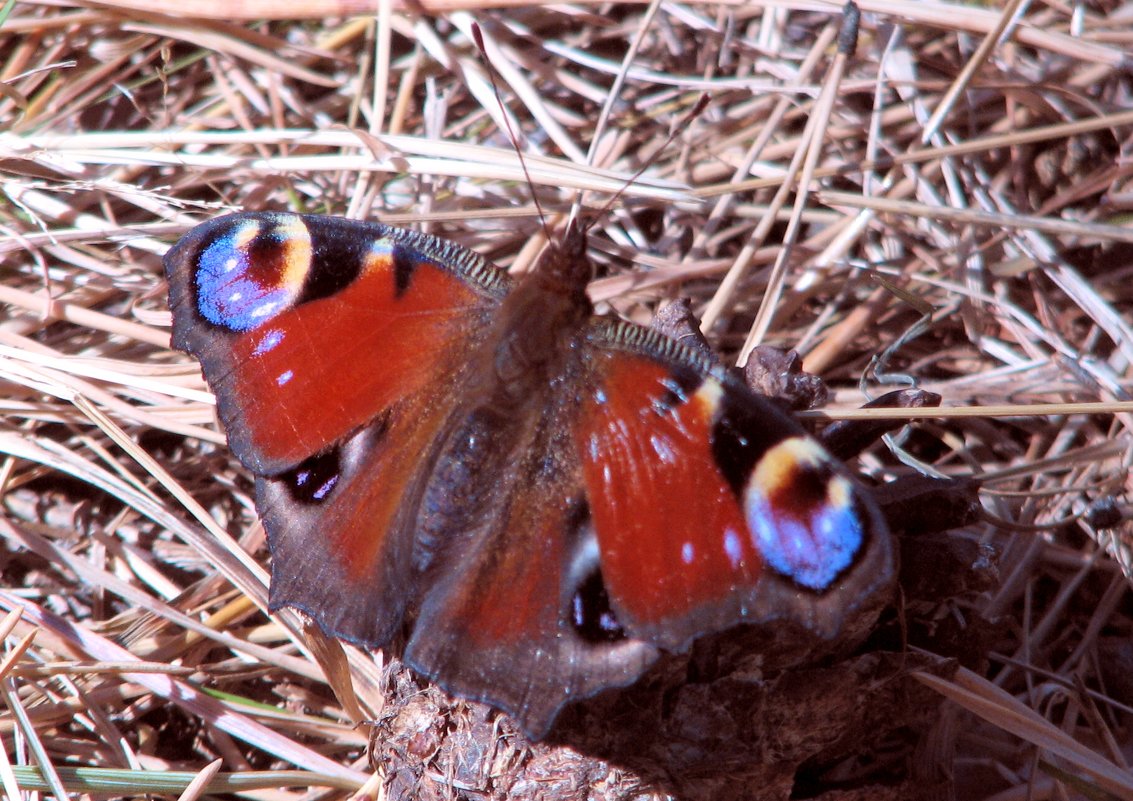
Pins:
<point x="404" y="265"/>
<point x="589" y="609"/>
<point x="732" y="450"/>
<point x="591" y="614"/>
<point x="577" y="516"/>
<point x="681" y="383"/>
<point x="313" y="481"/>
<point x="338" y="255"/>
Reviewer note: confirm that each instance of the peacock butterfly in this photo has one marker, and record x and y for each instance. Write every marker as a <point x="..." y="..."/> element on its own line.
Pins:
<point x="541" y="498"/>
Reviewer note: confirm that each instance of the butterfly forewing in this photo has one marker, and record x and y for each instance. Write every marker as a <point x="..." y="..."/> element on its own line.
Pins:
<point x="712" y="508"/>
<point x="309" y="327"/>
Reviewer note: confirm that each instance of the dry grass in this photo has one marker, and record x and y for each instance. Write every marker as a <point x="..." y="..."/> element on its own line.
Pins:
<point x="965" y="226"/>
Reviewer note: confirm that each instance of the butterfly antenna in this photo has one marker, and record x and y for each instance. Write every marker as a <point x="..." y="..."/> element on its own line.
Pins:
<point x="696" y="111"/>
<point x="478" y="37"/>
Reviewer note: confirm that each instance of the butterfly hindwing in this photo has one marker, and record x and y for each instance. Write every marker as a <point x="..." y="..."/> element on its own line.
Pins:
<point x="342" y="525"/>
<point x="500" y="619"/>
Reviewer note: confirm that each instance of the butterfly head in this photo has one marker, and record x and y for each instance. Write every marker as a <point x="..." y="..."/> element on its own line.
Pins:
<point x="564" y="266"/>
